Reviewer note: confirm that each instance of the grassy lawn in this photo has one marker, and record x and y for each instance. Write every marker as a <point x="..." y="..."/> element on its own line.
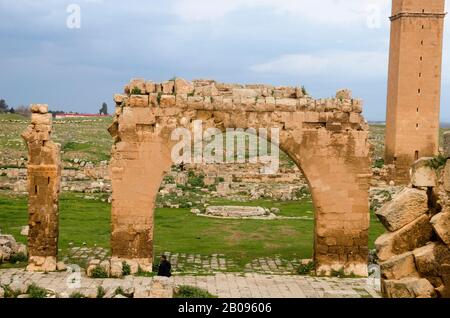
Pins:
<point x="179" y="231"/>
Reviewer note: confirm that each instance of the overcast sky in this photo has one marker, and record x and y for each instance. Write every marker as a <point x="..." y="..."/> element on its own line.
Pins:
<point x="324" y="45"/>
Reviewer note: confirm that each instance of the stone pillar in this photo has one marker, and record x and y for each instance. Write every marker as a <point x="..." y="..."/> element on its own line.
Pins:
<point x="44" y="175"/>
<point x="138" y="164"/>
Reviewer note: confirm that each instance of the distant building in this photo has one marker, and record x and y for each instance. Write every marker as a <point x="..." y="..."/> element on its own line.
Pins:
<point x="70" y="115"/>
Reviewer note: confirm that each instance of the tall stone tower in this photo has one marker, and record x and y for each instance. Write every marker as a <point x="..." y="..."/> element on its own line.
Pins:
<point x="414" y="84"/>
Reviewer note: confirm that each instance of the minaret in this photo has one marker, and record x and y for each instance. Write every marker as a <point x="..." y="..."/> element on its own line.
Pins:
<point x="414" y="84"/>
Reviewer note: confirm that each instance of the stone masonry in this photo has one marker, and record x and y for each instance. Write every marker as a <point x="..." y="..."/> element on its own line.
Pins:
<point x="415" y="253"/>
<point x="44" y="176"/>
<point x="414" y="85"/>
<point x="327" y="139"/>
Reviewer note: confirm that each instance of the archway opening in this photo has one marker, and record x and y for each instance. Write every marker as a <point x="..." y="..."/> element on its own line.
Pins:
<point x="230" y="217"/>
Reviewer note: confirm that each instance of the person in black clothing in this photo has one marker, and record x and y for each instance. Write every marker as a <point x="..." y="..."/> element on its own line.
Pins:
<point x="164" y="267"/>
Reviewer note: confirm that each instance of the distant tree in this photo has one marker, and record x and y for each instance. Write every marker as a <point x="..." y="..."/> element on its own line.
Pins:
<point x="3" y="106"/>
<point x="23" y="110"/>
<point x="104" y="109"/>
<point x="12" y="111"/>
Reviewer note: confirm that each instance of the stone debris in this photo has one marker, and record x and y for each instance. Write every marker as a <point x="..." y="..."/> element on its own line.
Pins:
<point x="407" y="206"/>
<point x="9" y="248"/>
<point x="415" y="254"/>
<point x="237" y="211"/>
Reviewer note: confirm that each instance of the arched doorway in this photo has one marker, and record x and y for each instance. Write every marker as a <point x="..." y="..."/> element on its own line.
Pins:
<point x="327" y="139"/>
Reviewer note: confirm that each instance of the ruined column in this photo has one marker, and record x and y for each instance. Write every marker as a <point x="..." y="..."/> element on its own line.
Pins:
<point x="44" y="175"/>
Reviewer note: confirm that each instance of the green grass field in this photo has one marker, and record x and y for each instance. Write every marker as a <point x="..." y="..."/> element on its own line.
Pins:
<point x="179" y="231"/>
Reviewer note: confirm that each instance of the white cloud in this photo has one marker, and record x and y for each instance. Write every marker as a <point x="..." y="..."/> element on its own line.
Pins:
<point x="323" y="11"/>
<point x="352" y="64"/>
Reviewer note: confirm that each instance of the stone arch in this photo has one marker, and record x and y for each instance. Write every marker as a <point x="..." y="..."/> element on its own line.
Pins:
<point x="326" y="138"/>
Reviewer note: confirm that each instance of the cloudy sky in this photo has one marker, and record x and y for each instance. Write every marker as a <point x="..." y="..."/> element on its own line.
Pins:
<point x="324" y="45"/>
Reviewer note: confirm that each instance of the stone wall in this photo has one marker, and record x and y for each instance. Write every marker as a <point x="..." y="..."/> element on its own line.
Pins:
<point x="326" y="138"/>
<point x="415" y="254"/>
<point x="44" y="174"/>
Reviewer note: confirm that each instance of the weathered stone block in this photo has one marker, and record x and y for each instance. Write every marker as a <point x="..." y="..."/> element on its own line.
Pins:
<point x="407" y="206"/>
<point x="447" y="176"/>
<point x="422" y="175"/>
<point x="430" y="258"/>
<point x="183" y="87"/>
<point x="408" y="288"/>
<point x="167" y="101"/>
<point x="168" y="87"/>
<point x="137" y="83"/>
<point x="441" y="225"/>
<point x="39" y="108"/>
<point x="41" y="119"/>
<point x="138" y="101"/>
<point x="245" y="93"/>
<point x="150" y="87"/>
<point x="399" y="267"/>
<point x="120" y="98"/>
<point x="447" y="144"/>
<point x="344" y="94"/>
<point x="408" y="238"/>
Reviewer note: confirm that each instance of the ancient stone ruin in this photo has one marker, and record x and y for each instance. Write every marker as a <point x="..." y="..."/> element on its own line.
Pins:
<point x="326" y="138"/>
<point x="237" y="212"/>
<point x="415" y="254"/>
<point x="44" y="174"/>
<point x="414" y="85"/>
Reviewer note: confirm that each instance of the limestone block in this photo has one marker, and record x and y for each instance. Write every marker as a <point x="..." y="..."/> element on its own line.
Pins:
<point x="430" y="258"/>
<point x="41" y="119"/>
<point x="344" y="94"/>
<point x="444" y="290"/>
<point x="120" y="98"/>
<point x="150" y="87"/>
<point x="447" y="144"/>
<point x="447" y="176"/>
<point x="407" y="206"/>
<point x="414" y="235"/>
<point x="183" y="87"/>
<point x="60" y="266"/>
<point x="422" y="175"/>
<point x="270" y="104"/>
<point x="355" y="118"/>
<point x="39" y="108"/>
<point x="167" y="101"/>
<point x="357" y="105"/>
<point x="138" y="83"/>
<point x="441" y="225"/>
<point x="399" y="267"/>
<point x="286" y="104"/>
<point x="42" y="264"/>
<point x="245" y="93"/>
<point x="138" y="101"/>
<point x="168" y="87"/>
<point x="195" y="102"/>
<point x="408" y="288"/>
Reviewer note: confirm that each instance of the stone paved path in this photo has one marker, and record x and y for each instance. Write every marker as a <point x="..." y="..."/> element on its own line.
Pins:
<point x="223" y="285"/>
<point x="195" y="263"/>
<point x="273" y="286"/>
